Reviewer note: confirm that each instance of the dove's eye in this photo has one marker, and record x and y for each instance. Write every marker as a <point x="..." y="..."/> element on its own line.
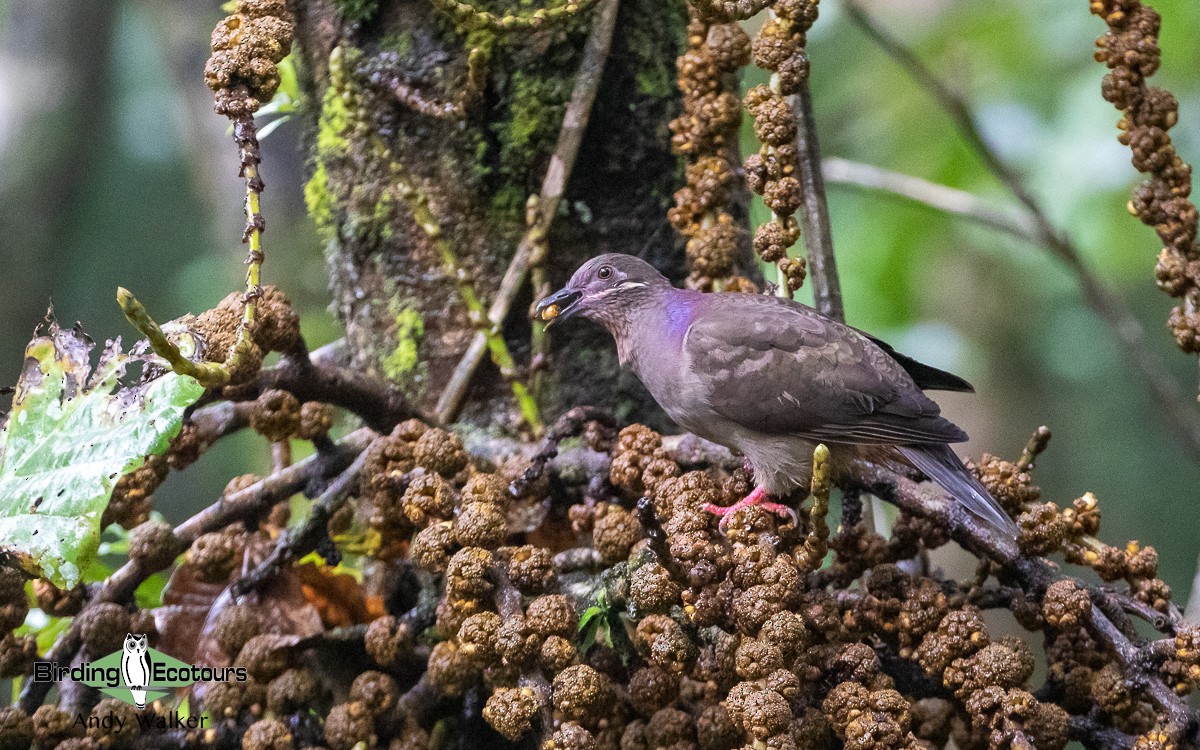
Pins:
<point x="605" y="272"/>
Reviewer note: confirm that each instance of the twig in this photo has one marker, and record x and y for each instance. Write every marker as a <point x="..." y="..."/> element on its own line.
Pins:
<point x="816" y="543"/>
<point x="530" y="252"/>
<point x="1164" y="622"/>
<point x="814" y="213"/>
<point x="578" y="558"/>
<point x="246" y="136"/>
<point x="1091" y="733"/>
<point x="379" y="405"/>
<point x="211" y="374"/>
<point x="1171" y="400"/>
<point x="1018" y="223"/>
<point x="410" y="96"/>
<point x="259" y="497"/>
<point x="208" y="374"/>
<point x="251" y="502"/>
<point x="1034" y="448"/>
<point x="215" y="421"/>
<point x="294" y="544"/>
<point x="474" y="18"/>
<point x="281" y="455"/>
<point x="570" y="423"/>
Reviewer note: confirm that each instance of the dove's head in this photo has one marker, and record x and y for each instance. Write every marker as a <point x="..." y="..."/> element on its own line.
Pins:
<point x="606" y="289"/>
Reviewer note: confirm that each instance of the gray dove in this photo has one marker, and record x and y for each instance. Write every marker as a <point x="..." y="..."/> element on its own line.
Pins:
<point x="771" y="378"/>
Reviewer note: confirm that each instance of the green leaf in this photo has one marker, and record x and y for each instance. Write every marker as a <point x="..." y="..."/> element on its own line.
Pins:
<point x="66" y="442"/>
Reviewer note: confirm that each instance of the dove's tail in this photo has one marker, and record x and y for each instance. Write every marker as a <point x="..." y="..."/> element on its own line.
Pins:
<point x="939" y="463"/>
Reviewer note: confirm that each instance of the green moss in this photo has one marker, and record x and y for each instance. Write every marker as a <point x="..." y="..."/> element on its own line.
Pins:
<point x="650" y="23"/>
<point x="535" y="109"/>
<point x="319" y="200"/>
<point x="334" y="123"/>
<point x="509" y="199"/>
<point x="405" y="357"/>
<point x="356" y="11"/>
<point x="654" y="81"/>
<point x="399" y="41"/>
<point x="383" y="215"/>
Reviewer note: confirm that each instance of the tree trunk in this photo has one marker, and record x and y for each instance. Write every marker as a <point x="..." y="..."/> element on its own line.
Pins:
<point x="391" y="157"/>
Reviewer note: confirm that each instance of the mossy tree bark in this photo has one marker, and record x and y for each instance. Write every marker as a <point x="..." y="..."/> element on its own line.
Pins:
<point x="384" y="172"/>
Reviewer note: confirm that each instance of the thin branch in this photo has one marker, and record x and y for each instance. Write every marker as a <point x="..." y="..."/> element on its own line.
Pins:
<point x="578" y="558"/>
<point x="307" y="378"/>
<point x="1091" y="733"/>
<point x="295" y="543"/>
<point x="1176" y="406"/>
<point x="252" y="502"/>
<point x="950" y="200"/>
<point x="571" y="423"/>
<point x="215" y="421"/>
<point x="531" y="250"/>
<point x="1033" y="448"/>
<point x="260" y="497"/>
<point x="814" y="213"/>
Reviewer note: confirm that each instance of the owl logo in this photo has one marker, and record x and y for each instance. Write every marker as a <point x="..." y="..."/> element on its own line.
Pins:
<point x="135" y="667"/>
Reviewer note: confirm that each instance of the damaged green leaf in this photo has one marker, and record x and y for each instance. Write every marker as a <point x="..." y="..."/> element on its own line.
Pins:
<point x="67" y="441"/>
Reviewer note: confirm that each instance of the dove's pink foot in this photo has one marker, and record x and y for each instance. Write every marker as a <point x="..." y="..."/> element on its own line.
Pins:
<point x="758" y="497"/>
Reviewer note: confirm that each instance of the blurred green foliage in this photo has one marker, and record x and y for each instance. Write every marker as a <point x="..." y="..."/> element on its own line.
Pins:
<point x="148" y="197"/>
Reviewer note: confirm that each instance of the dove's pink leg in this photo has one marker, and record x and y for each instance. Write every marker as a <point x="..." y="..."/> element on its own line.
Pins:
<point x="757" y="497"/>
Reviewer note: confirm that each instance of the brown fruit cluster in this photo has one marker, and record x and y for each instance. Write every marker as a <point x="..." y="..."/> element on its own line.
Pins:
<point x="131" y="501"/>
<point x="772" y="172"/>
<point x="276" y="328"/>
<point x="1045" y="529"/>
<point x="706" y="133"/>
<point x="1130" y="50"/>
<point x="247" y="46"/>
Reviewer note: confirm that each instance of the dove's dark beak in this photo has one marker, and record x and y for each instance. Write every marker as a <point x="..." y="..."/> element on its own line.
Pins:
<point x="558" y="306"/>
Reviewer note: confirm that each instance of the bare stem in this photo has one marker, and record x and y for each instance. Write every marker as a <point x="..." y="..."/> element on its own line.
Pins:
<point x="532" y="249"/>
<point x="1033" y="448"/>
<point x="1016" y="222"/>
<point x="814" y="213"/>
<point x="816" y="544"/>
<point x="321" y="378"/>
<point x="246" y="137"/>
<point x="472" y="17"/>
<point x="209" y="374"/>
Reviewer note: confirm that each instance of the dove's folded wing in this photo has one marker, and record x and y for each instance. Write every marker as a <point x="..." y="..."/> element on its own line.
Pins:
<point x="780" y="368"/>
